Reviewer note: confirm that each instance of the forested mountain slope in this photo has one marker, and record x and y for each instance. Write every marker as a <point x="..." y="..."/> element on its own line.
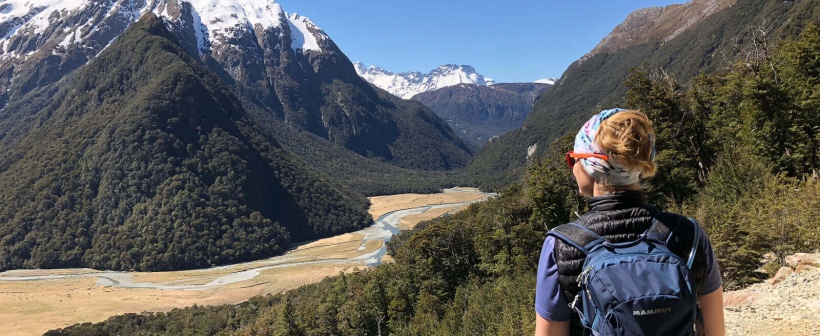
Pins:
<point x="596" y="81"/>
<point x="145" y="160"/>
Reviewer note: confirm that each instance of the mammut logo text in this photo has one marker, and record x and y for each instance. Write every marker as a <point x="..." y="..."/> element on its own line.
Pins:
<point x="652" y="311"/>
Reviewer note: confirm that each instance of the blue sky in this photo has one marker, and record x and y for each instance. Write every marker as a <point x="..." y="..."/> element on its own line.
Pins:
<point x="509" y="40"/>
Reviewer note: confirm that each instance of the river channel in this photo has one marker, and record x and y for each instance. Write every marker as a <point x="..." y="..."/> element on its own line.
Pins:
<point x="382" y="230"/>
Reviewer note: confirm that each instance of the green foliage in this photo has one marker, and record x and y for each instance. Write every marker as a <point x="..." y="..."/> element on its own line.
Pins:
<point x="680" y="136"/>
<point x="473" y="272"/>
<point x="800" y="73"/>
<point x="468" y="273"/>
<point x="551" y="187"/>
<point x="749" y="211"/>
<point x="370" y="176"/>
<point x="757" y="124"/>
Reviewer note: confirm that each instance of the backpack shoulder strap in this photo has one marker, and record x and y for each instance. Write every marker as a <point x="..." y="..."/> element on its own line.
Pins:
<point x="577" y="235"/>
<point x="661" y="231"/>
<point x="695" y="241"/>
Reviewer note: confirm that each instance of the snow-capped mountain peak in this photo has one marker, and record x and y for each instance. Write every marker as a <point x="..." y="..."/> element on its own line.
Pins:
<point x="29" y="25"/>
<point x="409" y="84"/>
<point x="68" y="33"/>
<point x="215" y="20"/>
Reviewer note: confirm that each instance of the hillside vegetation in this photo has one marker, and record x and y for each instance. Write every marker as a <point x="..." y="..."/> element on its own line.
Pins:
<point x="145" y="161"/>
<point x="597" y="82"/>
<point x="736" y="150"/>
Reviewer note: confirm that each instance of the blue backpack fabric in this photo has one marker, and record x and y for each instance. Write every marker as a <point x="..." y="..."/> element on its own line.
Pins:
<point x="633" y="288"/>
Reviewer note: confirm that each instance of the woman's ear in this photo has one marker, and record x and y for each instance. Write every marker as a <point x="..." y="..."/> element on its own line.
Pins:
<point x="586" y="185"/>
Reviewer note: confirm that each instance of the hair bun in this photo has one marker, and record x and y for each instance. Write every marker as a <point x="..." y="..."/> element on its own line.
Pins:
<point x="628" y="139"/>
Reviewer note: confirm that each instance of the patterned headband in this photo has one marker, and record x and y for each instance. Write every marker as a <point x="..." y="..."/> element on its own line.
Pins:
<point x="605" y="172"/>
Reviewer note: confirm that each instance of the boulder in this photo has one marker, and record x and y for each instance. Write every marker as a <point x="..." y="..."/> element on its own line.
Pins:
<point x="802" y="262"/>
<point x="781" y="275"/>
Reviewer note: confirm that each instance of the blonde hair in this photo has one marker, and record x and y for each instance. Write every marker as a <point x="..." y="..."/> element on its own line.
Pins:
<point x="627" y="138"/>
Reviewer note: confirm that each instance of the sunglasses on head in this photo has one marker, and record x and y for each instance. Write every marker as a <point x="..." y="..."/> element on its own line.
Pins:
<point x="573" y="157"/>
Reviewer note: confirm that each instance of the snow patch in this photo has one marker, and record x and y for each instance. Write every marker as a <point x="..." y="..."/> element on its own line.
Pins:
<point x="408" y="84"/>
<point x="214" y="17"/>
<point x="42" y="10"/>
<point x="222" y="14"/>
<point x="201" y="32"/>
<point x="302" y="37"/>
<point x="70" y="38"/>
<point x="550" y="81"/>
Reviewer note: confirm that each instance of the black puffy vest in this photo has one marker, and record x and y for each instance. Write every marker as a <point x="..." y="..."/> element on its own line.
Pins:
<point x="620" y="217"/>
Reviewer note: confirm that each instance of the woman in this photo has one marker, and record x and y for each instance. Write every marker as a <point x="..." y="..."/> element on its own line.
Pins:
<point x="613" y="150"/>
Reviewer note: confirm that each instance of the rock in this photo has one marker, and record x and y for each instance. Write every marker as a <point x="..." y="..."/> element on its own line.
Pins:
<point x="768" y="257"/>
<point x="781" y="275"/>
<point x="801" y="262"/>
<point x="736" y="299"/>
<point x="790" y="307"/>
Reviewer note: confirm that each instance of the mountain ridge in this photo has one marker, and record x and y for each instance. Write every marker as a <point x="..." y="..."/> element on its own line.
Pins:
<point x="664" y="23"/>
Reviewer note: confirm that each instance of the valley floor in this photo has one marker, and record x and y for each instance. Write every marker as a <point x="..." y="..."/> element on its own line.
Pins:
<point x="35" y="301"/>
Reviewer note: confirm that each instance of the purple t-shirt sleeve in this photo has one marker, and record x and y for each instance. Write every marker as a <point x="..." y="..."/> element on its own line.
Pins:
<point x="712" y="281"/>
<point x="549" y="303"/>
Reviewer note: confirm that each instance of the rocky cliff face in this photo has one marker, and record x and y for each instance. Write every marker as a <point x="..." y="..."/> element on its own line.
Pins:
<point x="63" y="35"/>
<point x="787" y="304"/>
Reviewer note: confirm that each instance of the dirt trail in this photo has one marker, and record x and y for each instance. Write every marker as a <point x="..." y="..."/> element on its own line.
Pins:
<point x="789" y="304"/>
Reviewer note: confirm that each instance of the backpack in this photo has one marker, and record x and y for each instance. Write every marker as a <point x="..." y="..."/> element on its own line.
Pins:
<point x="633" y="288"/>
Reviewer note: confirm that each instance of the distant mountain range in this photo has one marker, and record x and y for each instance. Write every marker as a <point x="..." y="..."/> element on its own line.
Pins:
<point x="478" y="113"/>
<point x="474" y="106"/>
<point x="408" y="84"/>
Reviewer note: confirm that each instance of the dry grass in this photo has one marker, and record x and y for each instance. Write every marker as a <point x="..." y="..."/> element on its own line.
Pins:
<point x="408" y="222"/>
<point x="381" y="205"/>
<point x="34" y="307"/>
